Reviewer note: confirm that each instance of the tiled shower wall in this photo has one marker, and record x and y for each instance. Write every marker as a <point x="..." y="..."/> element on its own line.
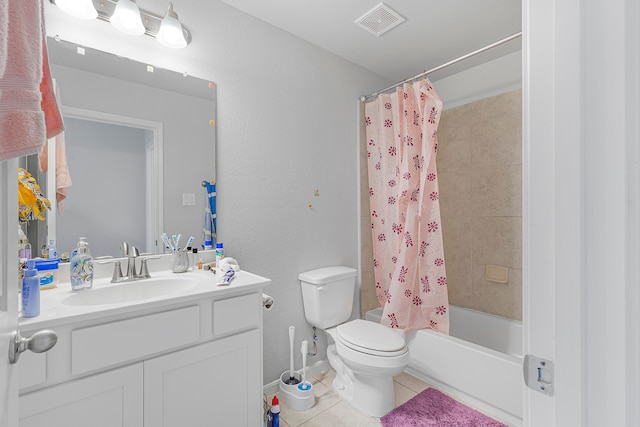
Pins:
<point x="480" y="182"/>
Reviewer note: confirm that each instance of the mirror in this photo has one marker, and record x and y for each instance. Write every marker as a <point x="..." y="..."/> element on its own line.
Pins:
<point x="139" y="143"/>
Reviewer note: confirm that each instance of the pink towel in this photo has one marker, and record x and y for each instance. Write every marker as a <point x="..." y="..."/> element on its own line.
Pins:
<point x="51" y="108"/>
<point x="22" y="121"/>
<point x="63" y="178"/>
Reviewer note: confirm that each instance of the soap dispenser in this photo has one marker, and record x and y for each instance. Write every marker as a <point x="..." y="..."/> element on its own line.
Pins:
<point x="81" y="268"/>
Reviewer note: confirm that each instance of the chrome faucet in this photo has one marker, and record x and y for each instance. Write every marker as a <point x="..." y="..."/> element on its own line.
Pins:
<point x="131" y="252"/>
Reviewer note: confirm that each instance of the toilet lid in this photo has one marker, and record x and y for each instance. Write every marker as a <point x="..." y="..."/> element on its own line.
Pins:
<point x="364" y="335"/>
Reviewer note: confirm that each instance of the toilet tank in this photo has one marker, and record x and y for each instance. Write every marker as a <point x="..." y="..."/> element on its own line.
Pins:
<point x="327" y="295"/>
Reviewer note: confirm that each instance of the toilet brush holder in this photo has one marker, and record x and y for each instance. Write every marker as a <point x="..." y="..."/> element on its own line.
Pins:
<point x="294" y="396"/>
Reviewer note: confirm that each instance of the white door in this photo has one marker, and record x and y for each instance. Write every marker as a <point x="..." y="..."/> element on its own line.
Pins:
<point x="8" y="290"/>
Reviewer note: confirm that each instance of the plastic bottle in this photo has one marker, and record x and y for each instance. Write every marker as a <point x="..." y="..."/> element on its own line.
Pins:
<point x="219" y="255"/>
<point x="24" y="247"/>
<point x="273" y="418"/>
<point x="81" y="268"/>
<point x="31" y="290"/>
<point x="53" y="251"/>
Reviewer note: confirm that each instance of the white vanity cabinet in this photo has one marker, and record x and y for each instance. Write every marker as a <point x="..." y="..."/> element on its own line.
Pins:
<point x="212" y="384"/>
<point x="186" y="362"/>
<point x="110" y="399"/>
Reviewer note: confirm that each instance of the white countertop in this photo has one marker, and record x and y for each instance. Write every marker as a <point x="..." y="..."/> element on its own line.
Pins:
<point x="55" y="310"/>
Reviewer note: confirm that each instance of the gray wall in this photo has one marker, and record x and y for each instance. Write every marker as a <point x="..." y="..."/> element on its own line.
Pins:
<point x="288" y="124"/>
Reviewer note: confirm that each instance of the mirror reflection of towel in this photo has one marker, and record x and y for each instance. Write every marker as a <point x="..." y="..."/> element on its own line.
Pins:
<point x="63" y="178"/>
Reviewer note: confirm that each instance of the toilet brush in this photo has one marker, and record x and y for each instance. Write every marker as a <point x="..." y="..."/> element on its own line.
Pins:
<point x="292" y="379"/>
<point x="304" y="385"/>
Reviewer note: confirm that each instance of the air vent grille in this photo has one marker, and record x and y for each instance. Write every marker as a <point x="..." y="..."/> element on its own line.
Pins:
<point x="380" y="19"/>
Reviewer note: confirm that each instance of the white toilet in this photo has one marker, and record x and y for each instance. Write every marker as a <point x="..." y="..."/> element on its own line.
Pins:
<point x="364" y="354"/>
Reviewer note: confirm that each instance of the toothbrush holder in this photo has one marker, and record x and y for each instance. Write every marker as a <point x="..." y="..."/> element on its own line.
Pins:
<point x="179" y="261"/>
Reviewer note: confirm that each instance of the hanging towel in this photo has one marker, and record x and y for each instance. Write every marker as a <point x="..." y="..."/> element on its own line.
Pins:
<point x="209" y="227"/>
<point x="49" y="104"/>
<point x="22" y="125"/>
<point x="63" y="178"/>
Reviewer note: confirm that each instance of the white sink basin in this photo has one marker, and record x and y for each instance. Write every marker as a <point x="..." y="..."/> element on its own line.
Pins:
<point x="131" y="291"/>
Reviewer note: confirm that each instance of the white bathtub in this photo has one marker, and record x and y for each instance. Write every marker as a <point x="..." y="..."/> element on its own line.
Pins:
<point x="479" y="363"/>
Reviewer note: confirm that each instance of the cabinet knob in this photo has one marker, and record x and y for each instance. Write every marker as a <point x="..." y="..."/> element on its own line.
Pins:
<point x="39" y="342"/>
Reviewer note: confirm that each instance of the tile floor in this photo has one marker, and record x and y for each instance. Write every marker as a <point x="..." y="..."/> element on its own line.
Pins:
<point x="329" y="410"/>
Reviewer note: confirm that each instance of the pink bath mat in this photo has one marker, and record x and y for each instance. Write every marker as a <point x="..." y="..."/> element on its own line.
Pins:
<point x="431" y="408"/>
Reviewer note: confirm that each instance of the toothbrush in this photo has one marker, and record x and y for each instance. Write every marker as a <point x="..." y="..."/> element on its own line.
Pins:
<point x="304" y="385"/>
<point x="189" y="242"/>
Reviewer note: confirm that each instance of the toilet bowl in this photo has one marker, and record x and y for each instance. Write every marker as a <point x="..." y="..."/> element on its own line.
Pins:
<point x="365" y="355"/>
<point x="364" y="374"/>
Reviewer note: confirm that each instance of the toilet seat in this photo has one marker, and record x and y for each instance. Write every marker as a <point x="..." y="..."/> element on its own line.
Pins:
<point x="370" y="338"/>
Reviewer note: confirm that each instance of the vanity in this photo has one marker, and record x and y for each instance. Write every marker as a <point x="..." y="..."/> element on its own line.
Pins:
<point x="173" y="350"/>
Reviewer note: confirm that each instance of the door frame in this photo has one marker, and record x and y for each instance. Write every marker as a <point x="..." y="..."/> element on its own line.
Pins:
<point x="8" y="289"/>
<point x="581" y="207"/>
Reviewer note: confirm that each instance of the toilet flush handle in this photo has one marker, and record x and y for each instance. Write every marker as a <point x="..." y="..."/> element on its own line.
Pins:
<point x="322" y="288"/>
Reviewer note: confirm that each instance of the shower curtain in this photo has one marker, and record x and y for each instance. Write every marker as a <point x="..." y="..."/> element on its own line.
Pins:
<point x="401" y="131"/>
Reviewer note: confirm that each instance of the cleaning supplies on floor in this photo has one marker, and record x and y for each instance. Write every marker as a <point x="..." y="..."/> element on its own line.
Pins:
<point x="30" y="290"/>
<point x="304" y="385"/>
<point x="81" y="268"/>
<point x="292" y="380"/>
<point x="295" y="391"/>
<point x="273" y="417"/>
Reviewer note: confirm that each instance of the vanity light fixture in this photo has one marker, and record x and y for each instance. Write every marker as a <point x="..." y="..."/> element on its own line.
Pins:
<point x="127" y="17"/>
<point x="83" y="9"/>
<point x="171" y="34"/>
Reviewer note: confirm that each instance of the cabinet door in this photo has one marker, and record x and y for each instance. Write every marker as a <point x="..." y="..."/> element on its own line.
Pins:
<point x="111" y="399"/>
<point x="214" y="384"/>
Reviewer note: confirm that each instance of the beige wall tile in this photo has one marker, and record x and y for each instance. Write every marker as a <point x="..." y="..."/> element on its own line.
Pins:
<point x="454" y="187"/>
<point x="368" y="299"/>
<point x="496" y="190"/>
<point x="457" y="239"/>
<point x="497" y="106"/>
<point x="497" y="241"/>
<point x="497" y="141"/>
<point x="501" y="299"/>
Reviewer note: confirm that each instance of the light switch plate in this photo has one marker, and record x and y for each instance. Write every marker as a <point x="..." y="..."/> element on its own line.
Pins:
<point x="188" y="199"/>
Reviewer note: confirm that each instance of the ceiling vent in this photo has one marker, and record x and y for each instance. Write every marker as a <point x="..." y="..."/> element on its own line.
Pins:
<point x="380" y="19"/>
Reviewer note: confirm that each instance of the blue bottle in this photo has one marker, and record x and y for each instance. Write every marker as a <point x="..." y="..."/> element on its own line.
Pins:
<point x="31" y="290"/>
<point x="273" y="417"/>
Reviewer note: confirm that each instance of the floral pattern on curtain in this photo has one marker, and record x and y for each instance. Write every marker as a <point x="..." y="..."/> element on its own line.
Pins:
<point x="409" y="268"/>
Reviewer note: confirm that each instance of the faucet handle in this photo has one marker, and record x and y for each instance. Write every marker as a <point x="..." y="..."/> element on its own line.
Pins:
<point x="124" y="247"/>
<point x="117" y="269"/>
<point x="144" y="270"/>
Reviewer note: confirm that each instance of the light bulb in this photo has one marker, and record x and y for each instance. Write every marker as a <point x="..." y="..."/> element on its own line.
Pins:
<point x="170" y="33"/>
<point x="126" y="18"/>
<point x="83" y="9"/>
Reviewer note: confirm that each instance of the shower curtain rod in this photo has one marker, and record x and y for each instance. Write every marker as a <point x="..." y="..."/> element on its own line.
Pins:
<point x="440" y="67"/>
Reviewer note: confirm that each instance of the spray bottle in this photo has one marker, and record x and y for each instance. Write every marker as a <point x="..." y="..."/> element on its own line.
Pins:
<point x="273" y="418"/>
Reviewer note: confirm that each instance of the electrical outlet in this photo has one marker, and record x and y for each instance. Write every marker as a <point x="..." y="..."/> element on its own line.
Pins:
<point x="188" y="199"/>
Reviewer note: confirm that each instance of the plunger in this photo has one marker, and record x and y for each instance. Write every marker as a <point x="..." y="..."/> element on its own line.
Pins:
<point x="292" y="378"/>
